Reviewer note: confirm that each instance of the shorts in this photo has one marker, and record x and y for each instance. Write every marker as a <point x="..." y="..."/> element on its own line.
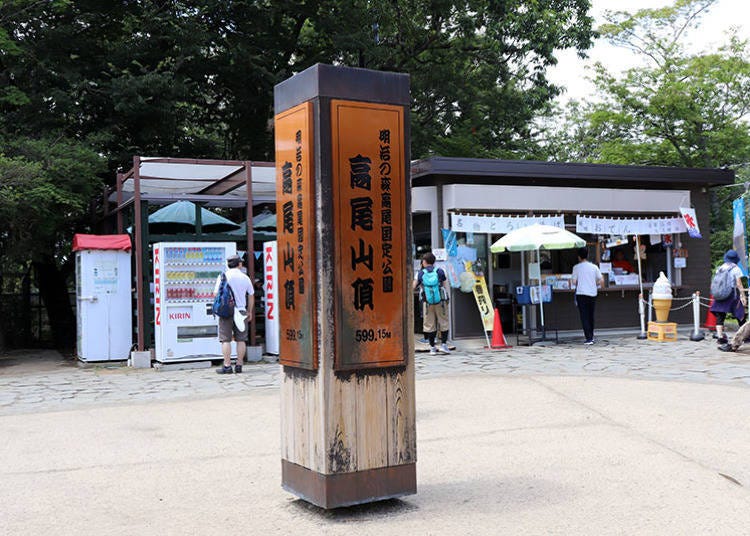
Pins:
<point x="435" y="316"/>
<point x="228" y="331"/>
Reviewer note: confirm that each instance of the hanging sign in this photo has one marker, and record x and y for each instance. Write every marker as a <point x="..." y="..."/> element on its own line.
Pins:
<point x="500" y="224"/>
<point x="627" y="226"/>
<point x="453" y="268"/>
<point x="691" y="222"/>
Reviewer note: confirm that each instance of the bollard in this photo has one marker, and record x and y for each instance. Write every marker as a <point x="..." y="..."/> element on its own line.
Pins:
<point x="697" y="335"/>
<point x="642" y="313"/>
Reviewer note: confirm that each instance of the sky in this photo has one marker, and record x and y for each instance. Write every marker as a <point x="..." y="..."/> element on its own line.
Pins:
<point x="571" y="71"/>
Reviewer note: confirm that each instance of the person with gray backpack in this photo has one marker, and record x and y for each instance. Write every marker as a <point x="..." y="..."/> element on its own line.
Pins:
<point x="434" y="294"/>
<point x="728" y="292"/>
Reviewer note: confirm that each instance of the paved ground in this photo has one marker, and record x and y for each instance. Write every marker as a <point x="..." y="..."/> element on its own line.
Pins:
<point x="624" y="437"/>
<point x="46" y="382"/>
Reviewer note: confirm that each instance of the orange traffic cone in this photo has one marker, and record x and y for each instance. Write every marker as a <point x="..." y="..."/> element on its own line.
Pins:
<point x="498" y="338"/>
<point x="710" y="318"/>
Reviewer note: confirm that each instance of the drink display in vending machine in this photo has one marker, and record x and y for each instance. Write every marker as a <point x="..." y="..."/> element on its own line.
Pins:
<point x="185" y="275"/>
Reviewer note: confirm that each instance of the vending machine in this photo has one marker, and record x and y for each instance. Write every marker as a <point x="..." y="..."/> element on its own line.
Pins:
<point x="103" y="298"/>
<point x="184" y="279"/>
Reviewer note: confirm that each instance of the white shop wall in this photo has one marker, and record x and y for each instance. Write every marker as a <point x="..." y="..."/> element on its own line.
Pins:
<point x="424" y="199"/>
<point x="481" y="197"/>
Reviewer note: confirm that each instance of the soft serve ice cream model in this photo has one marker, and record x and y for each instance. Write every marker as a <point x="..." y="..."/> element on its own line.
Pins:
<point x="661" y="297"/>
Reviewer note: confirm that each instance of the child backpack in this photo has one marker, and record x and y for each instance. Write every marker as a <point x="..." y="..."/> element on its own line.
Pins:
<point x="224" y="301"/>
<point x="431" y="284"/>
<point x="722" y="284"/>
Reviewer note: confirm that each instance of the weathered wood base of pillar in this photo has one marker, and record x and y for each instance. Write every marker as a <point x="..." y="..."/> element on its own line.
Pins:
<point x="348" y="489"/>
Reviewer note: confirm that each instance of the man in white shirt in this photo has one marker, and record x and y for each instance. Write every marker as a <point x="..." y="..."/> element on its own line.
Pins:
<point x="587" y="279"/>
<point x="244" y="304"/>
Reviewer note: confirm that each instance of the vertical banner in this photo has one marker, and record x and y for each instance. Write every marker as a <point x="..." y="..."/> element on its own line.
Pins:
<point x="739" y="242"/>
<point x="295" y="212"/>
<point x="271" y="295"/>
<point x="369" y="202"/>
<point x="691" y="222"/>
<point x="484" y="303"/>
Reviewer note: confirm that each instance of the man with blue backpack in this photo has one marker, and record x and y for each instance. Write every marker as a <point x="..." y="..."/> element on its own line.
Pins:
<point x="233" y="298"/>
<point x="434" y="294"/>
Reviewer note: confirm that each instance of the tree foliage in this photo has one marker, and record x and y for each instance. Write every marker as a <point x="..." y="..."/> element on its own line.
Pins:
<point x="86" y="84"/>
<point x="678" y="108"/>
<point x="196" y="78"/>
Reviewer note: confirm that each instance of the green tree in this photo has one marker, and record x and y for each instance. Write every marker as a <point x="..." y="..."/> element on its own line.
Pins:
<point x="46" y="186"/>
<point x="477" y="67"/>
<point x="676" y="109"/>
<point x="195" y="78"/>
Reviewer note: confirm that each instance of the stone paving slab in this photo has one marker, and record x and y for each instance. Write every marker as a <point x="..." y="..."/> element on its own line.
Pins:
<point x="55" y="388"/>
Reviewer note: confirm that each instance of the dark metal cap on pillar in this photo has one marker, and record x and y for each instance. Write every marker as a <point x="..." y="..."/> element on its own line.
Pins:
<point x="323" y="80"/>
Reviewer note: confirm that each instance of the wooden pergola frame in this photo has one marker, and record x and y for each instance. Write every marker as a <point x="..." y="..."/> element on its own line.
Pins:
<point x="211" y="195"/>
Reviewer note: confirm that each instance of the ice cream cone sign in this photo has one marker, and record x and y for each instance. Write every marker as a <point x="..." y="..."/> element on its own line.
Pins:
<point x="661" y="297"/>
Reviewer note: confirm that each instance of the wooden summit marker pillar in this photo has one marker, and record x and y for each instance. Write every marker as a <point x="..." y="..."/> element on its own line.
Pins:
<point x="348" y="433"/>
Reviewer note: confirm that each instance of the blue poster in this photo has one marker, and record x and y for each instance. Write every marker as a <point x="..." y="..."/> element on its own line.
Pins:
<point x="738" y="236"/>
<point x="449" y="242"/>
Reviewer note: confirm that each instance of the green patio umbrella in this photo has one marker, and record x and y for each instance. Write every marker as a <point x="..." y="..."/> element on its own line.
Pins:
<point x="264" y="220"/>
<point x="179" y="217"/>
<point x="258" y="236"/>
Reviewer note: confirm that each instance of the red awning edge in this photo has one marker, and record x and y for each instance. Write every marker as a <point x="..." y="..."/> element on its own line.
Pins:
<point x="88" y="241"/>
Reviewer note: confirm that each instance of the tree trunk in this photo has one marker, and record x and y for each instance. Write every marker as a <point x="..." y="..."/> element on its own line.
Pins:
<point x="25" y="310"/>
<point x="53" y="290"/>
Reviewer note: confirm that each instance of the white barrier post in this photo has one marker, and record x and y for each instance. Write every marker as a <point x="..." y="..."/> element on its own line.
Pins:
<point x="696" y="335"/>
<point x="650" y="308"/>
<point x="642" y="313"/>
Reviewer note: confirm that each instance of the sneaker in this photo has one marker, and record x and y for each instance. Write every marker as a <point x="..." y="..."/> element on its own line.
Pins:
<point x="224" y="370"/>
<point x="722" y="340"/>
<point x="433" y="350"/>
<point x="423" y="340"/>
<point x="589" y="342"/>
<point x="727" y="348"/>
<point x="444" y="349"/>
<point x="238" y="369"/>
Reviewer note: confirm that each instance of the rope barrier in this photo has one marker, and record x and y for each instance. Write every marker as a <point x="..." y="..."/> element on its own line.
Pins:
<point x="681" y="306"/>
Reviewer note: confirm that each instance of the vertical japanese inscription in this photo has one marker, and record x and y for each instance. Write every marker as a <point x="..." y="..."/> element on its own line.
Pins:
<point x="370" y="234"/>
<point x="295" y="213"/>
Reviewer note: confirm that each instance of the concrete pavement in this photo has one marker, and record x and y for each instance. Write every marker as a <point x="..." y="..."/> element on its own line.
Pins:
<point x="625" y="437"/>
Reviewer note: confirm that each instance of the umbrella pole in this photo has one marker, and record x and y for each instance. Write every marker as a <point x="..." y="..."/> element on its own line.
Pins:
<point x="642" y="335"/>
<point x="640" y="272"/>
<point x="541" y="299"/>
